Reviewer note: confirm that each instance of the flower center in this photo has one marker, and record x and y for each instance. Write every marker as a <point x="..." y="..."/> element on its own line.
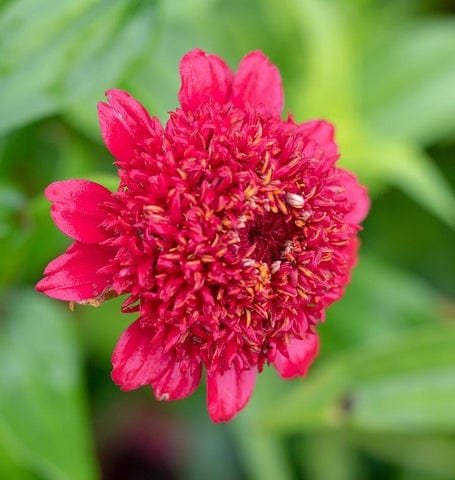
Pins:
<point x="268" y="234"/>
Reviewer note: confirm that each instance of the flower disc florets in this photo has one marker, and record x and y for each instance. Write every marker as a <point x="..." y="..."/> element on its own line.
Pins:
<point x="231" y="232"/>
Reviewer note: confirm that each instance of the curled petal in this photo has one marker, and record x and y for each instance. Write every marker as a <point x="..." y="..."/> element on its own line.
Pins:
<point x="257" y="84"/>
<point x="76" y="208"/>
<point x="125" y="124"/>
<point x="74" y="276"/>
<point x="138" y="361"/>
<point x="301" y="354"/>
<point x="204" y="77"/>
<point x="227" y="394"/>
<point x="357" y="196"/>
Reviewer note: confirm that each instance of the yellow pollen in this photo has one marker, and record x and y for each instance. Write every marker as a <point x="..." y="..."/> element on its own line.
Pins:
<point x="250" y="191"/>
<point x="153" y="209"/>
<point x="221" y="252"/>
<point x="266" y="164"/>
<point x="308" y="273"/>
<point x="248" y="318"/>
<point x="264" y="272"/>
<point x="282" y="205"/>
<point x="268" y="177"/>
<point x="182" y="174"/>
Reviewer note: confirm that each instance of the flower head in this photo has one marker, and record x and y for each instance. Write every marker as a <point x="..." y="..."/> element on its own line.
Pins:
<point x="230" y="233"/>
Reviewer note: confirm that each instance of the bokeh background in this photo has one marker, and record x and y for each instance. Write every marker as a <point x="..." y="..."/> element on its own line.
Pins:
<point x="379" y="403"/>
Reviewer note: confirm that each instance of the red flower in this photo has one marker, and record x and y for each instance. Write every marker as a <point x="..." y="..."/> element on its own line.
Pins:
<point x="231" y="232"/>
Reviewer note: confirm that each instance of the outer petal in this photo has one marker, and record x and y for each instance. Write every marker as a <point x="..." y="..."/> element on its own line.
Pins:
<point x="227" y="394"/>
<point x="137" y="361"/>
<point x="357" y="196"/>
<point x="204" y="77"/>
<point x="323" y="134"/>
<point x="74" y="275"/>
<point x="125" y="124"/>
<point x="258" y="84"/>
<point x="174" y="381"/>
<point x="76" y="208"/>
<point x="301" y="355"/>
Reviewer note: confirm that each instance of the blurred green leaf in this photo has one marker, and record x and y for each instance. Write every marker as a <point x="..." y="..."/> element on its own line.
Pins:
<point x="263" y="454"/>
<point x="364" y="317"/>
<point x="327" y="56"/>
<point x="12" y="241"/>
<point x="404" y="166"/>
<point x="428" y="455"/>
<point x="406" y="85"/>
<point x="403" y="385"/>
<point x="11" y="470"/>
<point x="70" y="49"/>
<point x="326" y="456"/>
<point x="44" y="421"/>
<point x="33" y="243"/>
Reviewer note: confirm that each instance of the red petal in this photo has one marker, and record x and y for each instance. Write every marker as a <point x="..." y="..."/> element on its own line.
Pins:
<point x="76" y="208"/>
<point x="357" y="196"/>
<point x="125" y="124"/>
<point x="74" y="275"/>
<point x="322" y="133"/>
<point x="172" y="383"/>
<point x="204" y="77"/>
<point x="301" y="355"/>
<point x="227" y="394"/>
<point x="258" y="84"/>
<point x="137" y="362"/>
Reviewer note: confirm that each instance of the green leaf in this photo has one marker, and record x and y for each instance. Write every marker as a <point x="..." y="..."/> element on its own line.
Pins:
<point x="329" y="456"/>
<point x="404" y="166"/>
<point x="263" y="454"/>
<point x="404" y="385"/>
<point x="429" y="455"/>
<point x="363" y="317"/>
<point x="12" y="236"/>
<point x="327" y="56"/>
<point x="12" y="470"/>
<point x="406" y="87"/>
<point x="52" y="56"/>
<point x="44" y="422"/>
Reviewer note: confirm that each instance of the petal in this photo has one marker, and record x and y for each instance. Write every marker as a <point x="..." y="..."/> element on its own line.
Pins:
<point x="74" y="275"/>
<point x="257" y="84"/>
<point x="135" y="364"/>
<point x="322" y="133"/>
<point x="356" y="195"/>
<point x="204" y="77"/>
<point x="76" y="208"/>
<point x="138" y="361"/>
<point x="227" y="394"/>
<point x="301" y="354"/>
<point x="125" y="124"/>
<point x="175" y="382"/>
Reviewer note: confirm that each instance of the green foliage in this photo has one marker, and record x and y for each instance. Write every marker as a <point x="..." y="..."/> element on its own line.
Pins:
<point x="69" y="50"/>
<point x="378" y="403"/>
<point x="44" y="417"/>
<point x="399" y="386"/>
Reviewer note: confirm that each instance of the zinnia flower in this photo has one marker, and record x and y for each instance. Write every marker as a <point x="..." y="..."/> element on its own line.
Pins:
<point x="231" y="232"/>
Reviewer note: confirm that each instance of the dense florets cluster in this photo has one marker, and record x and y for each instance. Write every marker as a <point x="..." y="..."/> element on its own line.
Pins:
<point x="231" y="232"/>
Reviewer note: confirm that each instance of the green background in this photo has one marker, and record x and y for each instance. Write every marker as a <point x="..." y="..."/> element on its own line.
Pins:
<point x="379" y="402"/>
